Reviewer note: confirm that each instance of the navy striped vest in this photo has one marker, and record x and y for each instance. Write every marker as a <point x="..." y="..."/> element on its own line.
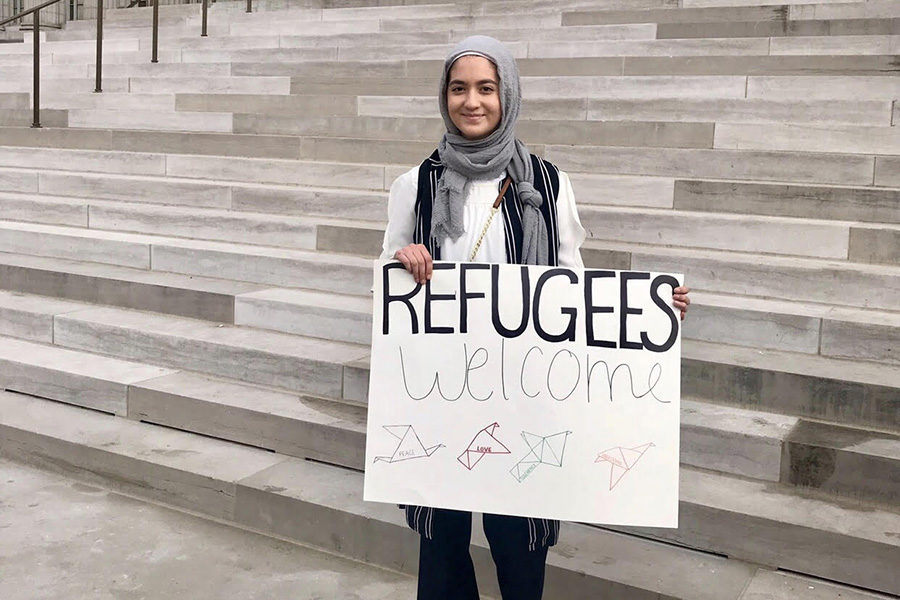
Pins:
<point x="546" y="182"/>
<point x="541" y="532"/>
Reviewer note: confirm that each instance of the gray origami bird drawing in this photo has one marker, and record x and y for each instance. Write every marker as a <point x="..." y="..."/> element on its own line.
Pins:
<point x="410" y="445"/>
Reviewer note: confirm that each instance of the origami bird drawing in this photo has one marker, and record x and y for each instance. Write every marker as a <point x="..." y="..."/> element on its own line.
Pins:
<point x="483" y="443"/>
<point x="410" y="445"/>
<point x="542" y="450"/>
<point x="622" y="460"/>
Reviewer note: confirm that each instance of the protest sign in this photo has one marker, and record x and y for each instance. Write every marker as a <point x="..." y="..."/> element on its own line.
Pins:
<point x="522" y="390"/>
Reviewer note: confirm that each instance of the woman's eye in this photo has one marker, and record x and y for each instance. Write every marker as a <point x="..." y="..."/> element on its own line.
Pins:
<point x="487" y="89"/>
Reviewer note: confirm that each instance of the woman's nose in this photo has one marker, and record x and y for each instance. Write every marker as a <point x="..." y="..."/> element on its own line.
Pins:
<point x="472" y="99"/>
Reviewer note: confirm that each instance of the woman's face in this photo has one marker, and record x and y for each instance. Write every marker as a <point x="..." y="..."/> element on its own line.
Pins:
<point x="473" y="96"/>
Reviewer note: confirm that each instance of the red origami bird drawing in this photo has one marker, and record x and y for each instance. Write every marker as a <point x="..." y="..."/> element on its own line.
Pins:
<point x="483" y="443"/>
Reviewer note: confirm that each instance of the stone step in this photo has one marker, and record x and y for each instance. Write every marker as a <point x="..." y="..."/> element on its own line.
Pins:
<point x="300" y="426"/>
<point x="632" y="164"/>
<point x="736" y="233"/>
<point x="75" y="140"/>
<point x="797" y="327"/>
<point x="19" y="117"/>
<point x="834" y="45"/>
<point x="442" y="18"/>
<point x="162" y="69"/>
<point x="876" y="205"/>
<point x="280" y="360"/>
<point x="762" y="65"/>
<point x="829" y="331"/>
<point x="325" y="174"/>
<point x="23" y="59"/>
<point x="846" y="390"/>
<point x="636" y="87"/>
<point x="50" y="47"/>
<point x="693" y="110"/>
<point x="842" y="460"/>
<point x="423" y="62"/>
<point x="745" y="110"/>
<point x="793" y="326"/>
<point x="165" y="55"/>
<point x="292" y="105"/>
<point x="876" y="26"/>
<point x="63" y="85"/>
<point x="713" y="87"/>
<point x="48" y="210"/>
<point x="757" y="12"/>
<point x="720" y="47"/>
<point x="556" y="49"/>
<point x="118" y="71"/>
<point x="169" y="293"/>
<point x="521" y="33"/>
<point x="14" y="101"/>
<point x="365" y="131"/>
<point x="109" y="100"/>
<point x="800" y="167"/>
<point x="254" y="264"/>
<point x="31" y="317"/>
<point x="525" y="31"/>
<point x="270" y="199"/>
<point x="758" y="445"/>
<point x="72" y="514"/>
<point x="676" y="15"/>
<point x="808" y="138"/>
<point x="709" y="503"/>
<point x="845" y="10"/>
<point x="219" y="85"/>
<point x="279" y="495"/>
<point x="782" y="277"/>
<point x="83" y="160"/>
<point x="188" y="222"/>
<point x="850" y="392"/>
<point x="212" y="477"/>
<point x="651" y="229"/>
<point x="875" y="244"/>
<point x="861" y="52"/>
<point x="78" y="378"/>
<point x="160" y="120"/>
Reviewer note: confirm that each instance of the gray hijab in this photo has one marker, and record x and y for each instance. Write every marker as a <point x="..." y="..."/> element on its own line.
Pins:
<point x="466" y="160"/>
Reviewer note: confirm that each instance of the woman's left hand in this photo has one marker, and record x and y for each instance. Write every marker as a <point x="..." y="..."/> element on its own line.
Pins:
<point x="680" y="299"/>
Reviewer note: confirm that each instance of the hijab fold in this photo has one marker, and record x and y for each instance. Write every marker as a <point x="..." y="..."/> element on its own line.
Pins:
<point x="465" y="160"/>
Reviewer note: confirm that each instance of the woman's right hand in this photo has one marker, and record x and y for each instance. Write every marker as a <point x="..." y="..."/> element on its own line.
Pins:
<point x="417" y="260"/>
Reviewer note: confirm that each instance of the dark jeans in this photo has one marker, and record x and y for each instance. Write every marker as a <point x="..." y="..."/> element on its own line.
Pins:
<point x="445" y="566"/>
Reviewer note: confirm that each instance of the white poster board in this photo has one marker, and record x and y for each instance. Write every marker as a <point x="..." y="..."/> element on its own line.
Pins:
<point x="532" y="391"/>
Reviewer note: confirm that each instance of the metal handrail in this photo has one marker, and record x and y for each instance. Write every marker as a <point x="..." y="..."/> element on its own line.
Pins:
<point x="25" y="13"/>
<point x="36" y="31"/>
<point x="36" y="74"/>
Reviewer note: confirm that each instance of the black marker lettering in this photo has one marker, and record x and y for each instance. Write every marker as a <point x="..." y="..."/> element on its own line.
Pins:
<point x="625" y="310"/>
<point x="569" y="333"/>
<point x="387" y="298"/>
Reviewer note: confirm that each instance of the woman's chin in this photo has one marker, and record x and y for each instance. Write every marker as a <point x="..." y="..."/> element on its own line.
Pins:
<point x="473" y="133"/>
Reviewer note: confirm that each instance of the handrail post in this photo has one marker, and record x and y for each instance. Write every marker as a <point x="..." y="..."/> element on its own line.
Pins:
<point x="36" y="29"/>
<point x="155" y="58"/>
<point x="98" y="88"/>
<point x="249" y="7"/>
<point x="203" y="33"/>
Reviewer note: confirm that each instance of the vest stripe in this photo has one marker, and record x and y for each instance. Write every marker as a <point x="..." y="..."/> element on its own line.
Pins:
<point x="546" y="182"/>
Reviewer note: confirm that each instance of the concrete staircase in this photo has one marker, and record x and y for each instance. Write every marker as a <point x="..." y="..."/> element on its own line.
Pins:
<point x="185" y="264"/>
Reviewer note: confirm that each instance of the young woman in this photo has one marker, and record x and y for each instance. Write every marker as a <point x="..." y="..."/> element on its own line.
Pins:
<point x="482" y="197"/>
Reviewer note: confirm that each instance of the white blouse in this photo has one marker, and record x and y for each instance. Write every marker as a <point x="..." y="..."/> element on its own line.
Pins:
<point x="477" y="210"/>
